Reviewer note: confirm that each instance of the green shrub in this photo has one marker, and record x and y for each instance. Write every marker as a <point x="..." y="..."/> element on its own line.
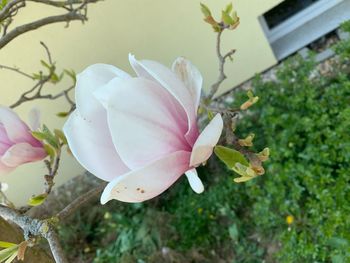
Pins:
<point x="304" y="118"/>
<point x="306" y="123"/>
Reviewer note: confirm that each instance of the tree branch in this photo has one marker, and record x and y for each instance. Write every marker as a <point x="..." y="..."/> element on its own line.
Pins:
<point x="222" y="60"/>
<point x="55" y="247"/>
<point x="4" y="13"/>
<point x="35" y="92"/>
<point x="39" y="23"/>
<point x="17" y="70"/>
<point x="80" y="201"/>
<point x="34" y="227"/>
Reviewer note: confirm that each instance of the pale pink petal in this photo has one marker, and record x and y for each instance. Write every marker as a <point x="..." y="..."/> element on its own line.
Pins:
<point x="4" y="169"/>
<point x="203" y="147"/>
<point x="167" y="79"/>
<point x="142" y="125"/>
<point x="34" y="117"/>
<point x="16" y="130"/>
<point x="87" y="129"/>
<point x="91" y="79"/>
<point x="3" y="147"/>
<point x="194" y="180"/>
<point x="190" y="76"/>
<point x="92" y="146"/>
<point x="5" y="142"/>
<point x="22" y="153"/>
<point x="147" y="182"/>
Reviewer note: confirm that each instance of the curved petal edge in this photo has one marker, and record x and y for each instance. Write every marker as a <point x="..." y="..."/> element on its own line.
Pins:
<point x="148" y="182"/>
<point x="203" y="147"/>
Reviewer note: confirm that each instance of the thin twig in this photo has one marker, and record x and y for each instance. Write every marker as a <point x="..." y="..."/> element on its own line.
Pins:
<point x="222" y="60"/>
<point x="38" y="86"/>
<point x="53" y="171"/>
<point x="49" y="57"/>
<point x="35" y="93"/>
<point x="80" y="201"/>
<point x="17" y="70"/>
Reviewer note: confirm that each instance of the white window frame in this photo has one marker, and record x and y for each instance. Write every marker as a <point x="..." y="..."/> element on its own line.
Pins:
<point x="283" y="38"/>
<point x="298" y="19"/>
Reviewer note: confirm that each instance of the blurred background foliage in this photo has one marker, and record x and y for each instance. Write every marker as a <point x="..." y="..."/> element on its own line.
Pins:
<point x="297" y="212"/>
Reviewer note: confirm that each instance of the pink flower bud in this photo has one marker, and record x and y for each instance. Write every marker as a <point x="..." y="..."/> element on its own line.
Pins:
<point x="17" y="145"/>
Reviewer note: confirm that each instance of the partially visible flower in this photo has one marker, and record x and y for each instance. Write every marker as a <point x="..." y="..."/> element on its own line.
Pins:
<point x="290" y="219"/>
<point x="17" y="145"/>
<point x="140" y="133"/>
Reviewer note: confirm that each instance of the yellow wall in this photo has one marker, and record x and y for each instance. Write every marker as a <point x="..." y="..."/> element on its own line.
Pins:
<point x="153" y="29"/>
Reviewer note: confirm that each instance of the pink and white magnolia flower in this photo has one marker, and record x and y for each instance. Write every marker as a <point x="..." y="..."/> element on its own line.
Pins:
<point x="17" y="145"/>
<point x="140" y="133"/>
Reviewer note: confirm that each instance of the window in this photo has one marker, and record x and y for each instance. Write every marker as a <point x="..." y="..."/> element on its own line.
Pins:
<point x="294" y="24"/>
<point x="285" y="10"/>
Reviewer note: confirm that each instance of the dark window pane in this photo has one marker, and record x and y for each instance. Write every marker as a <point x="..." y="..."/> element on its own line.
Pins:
<point x="285" y="10"/>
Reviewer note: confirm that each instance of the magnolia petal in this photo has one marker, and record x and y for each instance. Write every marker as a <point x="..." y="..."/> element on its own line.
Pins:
<point x="34" y="117"/>
<point x="105" y="93"/>
<point x="194" y="180"/>
<point x="91" y="79"/>
<point x="3" y="147"/>
<point x="22" y="153"/>
<point x="16" y="130"/>
<point x="167" y="79"/>
<point x="93" y="147"/>
<point x="147" y="182"/>
<point x="4" y="169"/>
<point x="144" y="128"/>
<point x="191" y="77"/>
<point x="5" y="142"/>
<point x="203" y="147"/>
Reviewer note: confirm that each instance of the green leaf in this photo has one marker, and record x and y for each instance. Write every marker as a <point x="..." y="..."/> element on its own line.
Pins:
<point x="338" y="242"/>
<point x="37" y="200"/>
<point x="234" y="17"/>
<point x="71" y="73"/>
<point x="50" y="152"/>
<point x="243" y="170"/>
<point x="37" y="76"/>
<point x="205" y="10"/>
<point x="4" y="244"/>
<point x="250" y="94"/>
<point x="233" y="232"/>
<point x="50" y="138"/>
<point x="338" y="259"/>
<point x="54" y="78"/>
<point x="230" y="157"/>
<point x="60" y="136"/>
<point x="2" y="4"/>
<point x="12" y="257"/>
<point x="226" y="18"/>
<point x="45" y="64"/>
<point x="7" y="253"/>
<point x="47" y="136"/>
<point x="38" y="135"/>
<point x="229" y="8"/>
<point x="62" y="114"/>
<point x="242" y="179"/>
<point x="210" y="115"/>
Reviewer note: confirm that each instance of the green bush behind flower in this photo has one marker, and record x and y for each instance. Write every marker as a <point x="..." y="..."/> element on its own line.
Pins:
<point x="306" y="124"/>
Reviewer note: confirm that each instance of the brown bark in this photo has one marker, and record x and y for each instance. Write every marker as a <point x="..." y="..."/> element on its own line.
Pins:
<point x="10" y="233"/>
